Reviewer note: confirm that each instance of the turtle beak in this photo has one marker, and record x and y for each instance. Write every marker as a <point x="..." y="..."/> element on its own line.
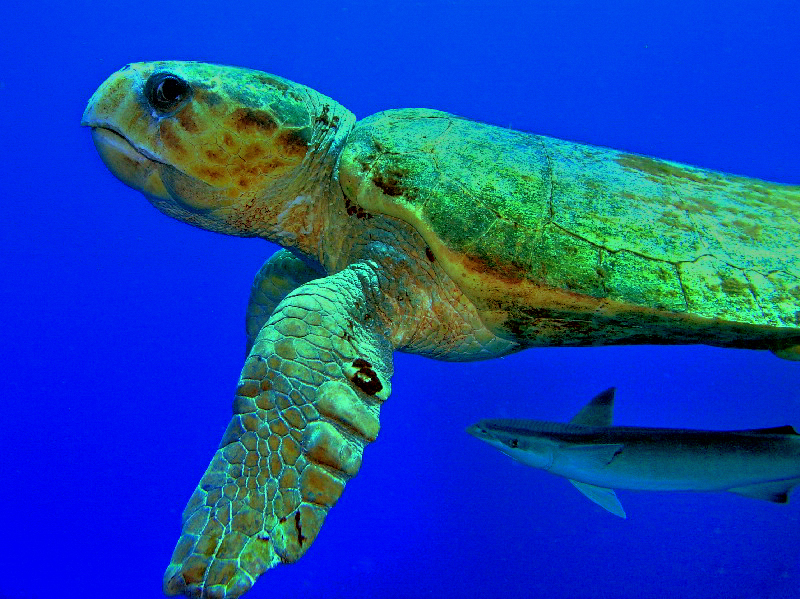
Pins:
<point x="114" y="103"/>
<point x="126" y="163"/>
<point x="129" y="166"/>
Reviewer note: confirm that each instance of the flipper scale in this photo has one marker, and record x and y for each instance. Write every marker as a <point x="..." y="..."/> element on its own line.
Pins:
<point x="306" y="405"/>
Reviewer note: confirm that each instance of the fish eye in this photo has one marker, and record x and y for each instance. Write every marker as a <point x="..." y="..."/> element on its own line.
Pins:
<point x="513" y="443"/>
<point x="165" y="91"/>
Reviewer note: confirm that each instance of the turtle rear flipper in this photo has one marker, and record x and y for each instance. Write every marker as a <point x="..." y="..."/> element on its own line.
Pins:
<point x="307" y="404"/>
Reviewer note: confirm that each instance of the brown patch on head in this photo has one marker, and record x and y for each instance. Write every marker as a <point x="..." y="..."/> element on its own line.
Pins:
<point x="206" y="97"/>
<point x="293" y="142"/>
<point x="365" y="378"/>
<point x="227" y="140"/>
<point x="273" y="164"/>
<point x="216" y="156"/>
<point x="170" y="138"/>
<point x="247" y="174"/>
<point x="186" y="118"/>
<point x="252" y="151"/>
<point x="246" y="120"/>
<point x="211" y="174"/>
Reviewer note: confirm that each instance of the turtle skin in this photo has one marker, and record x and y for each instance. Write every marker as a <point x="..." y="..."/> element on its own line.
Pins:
<point x="417" y="231"/>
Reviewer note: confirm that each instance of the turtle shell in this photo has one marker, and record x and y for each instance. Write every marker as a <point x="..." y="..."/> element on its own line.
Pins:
<point x="569" y="244"/>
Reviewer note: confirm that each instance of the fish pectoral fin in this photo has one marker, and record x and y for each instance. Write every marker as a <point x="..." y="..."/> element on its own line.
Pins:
<point x="775" y="491"/>
<point x="591" y="455"/>
<point x="605" y="498"/>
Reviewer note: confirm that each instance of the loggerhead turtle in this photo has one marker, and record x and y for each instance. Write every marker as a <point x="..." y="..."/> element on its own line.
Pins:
<point x="419" y="231"/>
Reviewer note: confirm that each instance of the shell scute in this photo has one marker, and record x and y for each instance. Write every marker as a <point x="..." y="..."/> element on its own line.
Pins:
<point x="522" y="221"/>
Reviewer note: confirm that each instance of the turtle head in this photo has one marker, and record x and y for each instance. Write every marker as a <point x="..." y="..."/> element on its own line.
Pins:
<point x="227" y="149"/>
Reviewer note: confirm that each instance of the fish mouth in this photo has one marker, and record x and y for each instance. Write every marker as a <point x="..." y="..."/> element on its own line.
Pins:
<point x="127" y="163"/>
<point x="478" y="431"/>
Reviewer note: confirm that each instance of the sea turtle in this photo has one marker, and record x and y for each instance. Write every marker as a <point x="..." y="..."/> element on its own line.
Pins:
<point x="419" y="231"/>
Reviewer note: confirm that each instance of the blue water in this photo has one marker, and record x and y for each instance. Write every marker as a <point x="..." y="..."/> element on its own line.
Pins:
<point x="123" y="335"/>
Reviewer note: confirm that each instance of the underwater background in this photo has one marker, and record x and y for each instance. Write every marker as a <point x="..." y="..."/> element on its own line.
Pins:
<point x="123" y="331"/>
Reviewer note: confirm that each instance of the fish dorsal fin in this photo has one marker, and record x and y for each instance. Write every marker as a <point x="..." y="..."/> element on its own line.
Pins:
<point x="787" y="429"/>
<point x="605" y="498"/>
<point x="598" y="412"/>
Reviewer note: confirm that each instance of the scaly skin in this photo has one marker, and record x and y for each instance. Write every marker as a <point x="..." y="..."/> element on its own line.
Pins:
<point x="282" y="273"/>
<point x="322" y="322"/>
<point x="297" y="436"/>
<point x="401" y="238"/>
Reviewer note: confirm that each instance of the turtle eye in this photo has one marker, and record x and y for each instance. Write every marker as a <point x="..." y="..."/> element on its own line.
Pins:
<point x="164" y="91"/>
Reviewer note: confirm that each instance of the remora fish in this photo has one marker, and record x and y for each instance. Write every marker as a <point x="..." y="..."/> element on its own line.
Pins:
<point x="597" y="457"/>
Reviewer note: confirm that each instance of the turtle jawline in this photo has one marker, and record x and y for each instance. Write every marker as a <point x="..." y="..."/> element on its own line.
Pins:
<point x="128" y="164"/>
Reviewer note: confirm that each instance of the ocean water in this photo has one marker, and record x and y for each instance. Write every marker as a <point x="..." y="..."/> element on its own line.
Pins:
<point x="123" y="335"/>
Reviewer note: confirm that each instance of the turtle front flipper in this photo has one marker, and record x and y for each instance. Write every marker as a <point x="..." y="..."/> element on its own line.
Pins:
<point x="282" y="273"/>
<point x="306" y="405"/>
